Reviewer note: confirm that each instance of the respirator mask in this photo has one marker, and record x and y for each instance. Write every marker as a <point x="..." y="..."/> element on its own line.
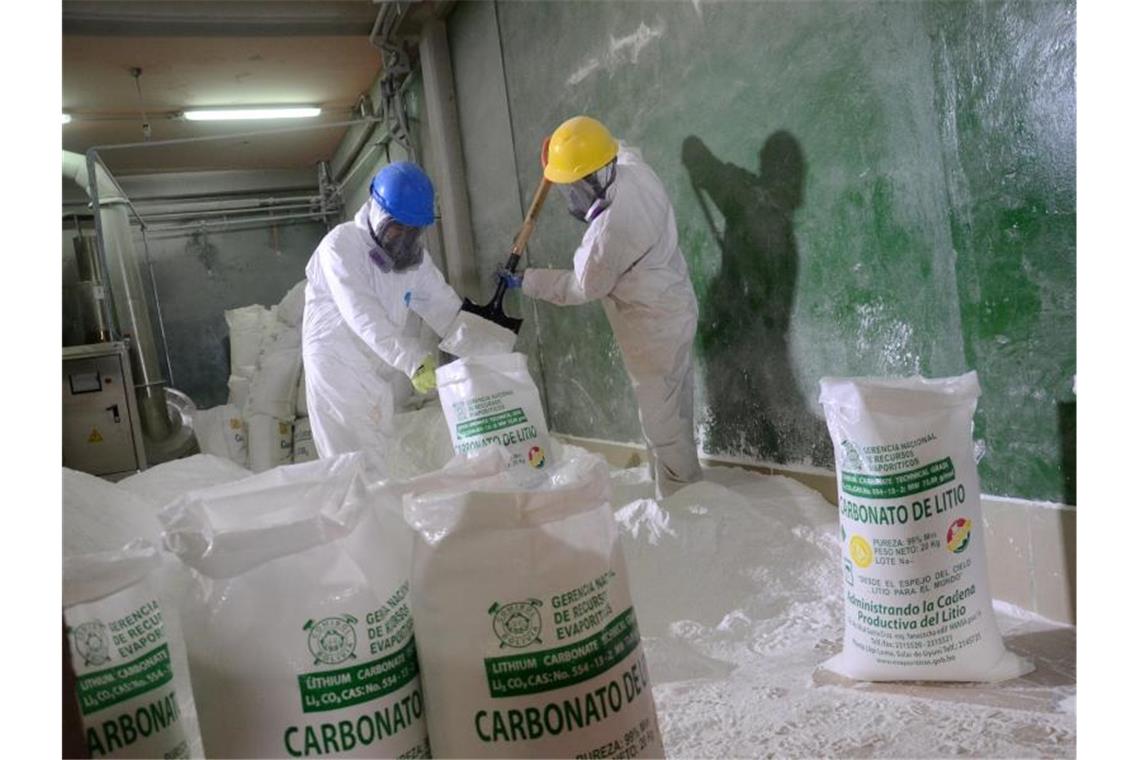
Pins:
<point x="397" y="247"/>
<point x="586" y="198"/>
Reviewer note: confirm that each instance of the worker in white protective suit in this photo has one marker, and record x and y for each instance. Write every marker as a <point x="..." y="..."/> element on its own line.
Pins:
<point x="630" y="260"/>
<point x="370" y="283"/>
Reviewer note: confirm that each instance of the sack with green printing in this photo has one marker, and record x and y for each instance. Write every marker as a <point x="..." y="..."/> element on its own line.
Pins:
<point x="916" y="591"/>
<point x="525" y="626"/>
<point x="125" y="682"/>
<point x="491" y="399"/>
<point x="299" y="631"/>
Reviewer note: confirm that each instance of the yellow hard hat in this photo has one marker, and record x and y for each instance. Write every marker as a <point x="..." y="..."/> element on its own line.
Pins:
<point x="579" y="146"/>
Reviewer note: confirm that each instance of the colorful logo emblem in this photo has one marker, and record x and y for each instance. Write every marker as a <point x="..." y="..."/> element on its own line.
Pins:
<point x="517" y="624"/>
<point x="958" y="536"/>
<point x="536" y="457"/>
<point x="861" y="553"/>
<point x="91" y="642"/>
<point x="332" y="640"/>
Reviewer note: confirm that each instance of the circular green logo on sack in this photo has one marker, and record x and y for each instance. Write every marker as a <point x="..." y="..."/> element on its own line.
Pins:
<point x="91" y="642"/>
<point x="852" y="457"/>
<point x="332" y="640"/>
<point x="517" y="624"/>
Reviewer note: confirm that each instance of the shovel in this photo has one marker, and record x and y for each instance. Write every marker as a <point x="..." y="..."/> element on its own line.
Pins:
<point x="493" y="311"/>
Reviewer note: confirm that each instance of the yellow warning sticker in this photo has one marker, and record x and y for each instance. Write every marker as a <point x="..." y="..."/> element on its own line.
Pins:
<point x="94" y="437"/>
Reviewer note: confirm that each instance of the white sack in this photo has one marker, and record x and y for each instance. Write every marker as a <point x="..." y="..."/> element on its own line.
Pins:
<point x="220" y="431"/>
<point x="127" y="686"/>
<point x="100" y="516"/>
<point x="525" y="627"/>
<point x="471" y="335"/>
<point x="239" y="390"/>
<point x="280" y="336"/>
<point x="274" y="387"/>
<point x="292" y="307"/>
<point x="299" y="633"/>
<point x="493" y="400"/>
<point x="918" y="604"/>
<point x="270" y="442"/>
<point x="246" y="325"/>
<point x="302" y="406"/>
<point x="304" y="450"/>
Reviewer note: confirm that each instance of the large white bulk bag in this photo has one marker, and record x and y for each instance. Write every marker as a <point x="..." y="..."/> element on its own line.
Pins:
<point x="299" y="633"/>
<point x="525" y="627"/>
<point x="220" y="431"/>
<point x="126" y="686"/>
<point x="491" y="399"/>
<point x="917" y="595"/>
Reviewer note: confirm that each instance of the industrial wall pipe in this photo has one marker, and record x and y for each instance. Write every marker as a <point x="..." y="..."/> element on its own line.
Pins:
<point x="128" y="295"/>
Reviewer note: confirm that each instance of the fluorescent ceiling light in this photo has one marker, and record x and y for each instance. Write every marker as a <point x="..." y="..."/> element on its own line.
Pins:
<point x="232" y="114"/>
<point x="66" y="118"/>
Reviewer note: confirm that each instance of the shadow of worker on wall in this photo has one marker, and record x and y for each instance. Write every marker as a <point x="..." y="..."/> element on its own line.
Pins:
<point x="755" y="406"/>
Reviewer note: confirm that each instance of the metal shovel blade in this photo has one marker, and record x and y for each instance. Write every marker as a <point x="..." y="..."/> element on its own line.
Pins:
<point x="493" y="312"/>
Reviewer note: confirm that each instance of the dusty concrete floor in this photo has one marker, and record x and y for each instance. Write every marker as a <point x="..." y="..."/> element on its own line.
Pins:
<point x="738" y="604"/>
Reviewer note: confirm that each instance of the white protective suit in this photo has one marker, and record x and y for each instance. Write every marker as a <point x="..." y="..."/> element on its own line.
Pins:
<point x="630" y="259"/>
<point x="362" y="337"/>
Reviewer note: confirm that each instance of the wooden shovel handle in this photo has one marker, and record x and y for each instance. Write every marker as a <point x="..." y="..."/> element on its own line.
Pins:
<point x="531" y="217"/>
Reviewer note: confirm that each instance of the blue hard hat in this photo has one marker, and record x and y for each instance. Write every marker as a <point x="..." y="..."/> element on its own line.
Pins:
<point x="403" y="190"/>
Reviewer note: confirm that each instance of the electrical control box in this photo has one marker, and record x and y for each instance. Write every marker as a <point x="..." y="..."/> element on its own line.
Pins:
<point x="102" y="432"/>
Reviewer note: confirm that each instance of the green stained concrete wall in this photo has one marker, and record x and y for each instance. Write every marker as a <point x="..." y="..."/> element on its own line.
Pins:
<point x="861" y="188"/>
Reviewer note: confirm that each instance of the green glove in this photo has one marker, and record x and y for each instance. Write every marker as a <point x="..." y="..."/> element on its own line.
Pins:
<point x="423" y="379"/>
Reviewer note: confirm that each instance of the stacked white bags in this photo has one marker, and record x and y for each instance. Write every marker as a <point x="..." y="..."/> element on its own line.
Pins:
<point x="255" y="428"/>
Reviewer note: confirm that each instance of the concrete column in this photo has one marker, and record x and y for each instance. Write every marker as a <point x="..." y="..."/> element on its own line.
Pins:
<point x="451" y="179"/>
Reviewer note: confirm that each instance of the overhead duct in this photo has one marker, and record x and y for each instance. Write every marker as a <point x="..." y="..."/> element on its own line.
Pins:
<point x="165" y="436"/>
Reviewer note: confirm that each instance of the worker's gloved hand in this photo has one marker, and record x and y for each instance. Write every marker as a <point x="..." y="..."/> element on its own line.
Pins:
<point x="512" y="279"/>
<point x="423" y="379"/>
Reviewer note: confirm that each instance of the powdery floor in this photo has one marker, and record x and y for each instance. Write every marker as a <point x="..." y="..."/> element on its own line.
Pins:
<point x="735" y="582"/>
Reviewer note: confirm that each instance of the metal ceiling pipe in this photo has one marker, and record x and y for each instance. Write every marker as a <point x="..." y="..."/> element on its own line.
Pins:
<point x="128" y="294"/>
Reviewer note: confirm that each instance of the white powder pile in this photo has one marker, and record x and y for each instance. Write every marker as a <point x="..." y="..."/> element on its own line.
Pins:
<point x="162" y="484"/>
<point x="738" y="590"/>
